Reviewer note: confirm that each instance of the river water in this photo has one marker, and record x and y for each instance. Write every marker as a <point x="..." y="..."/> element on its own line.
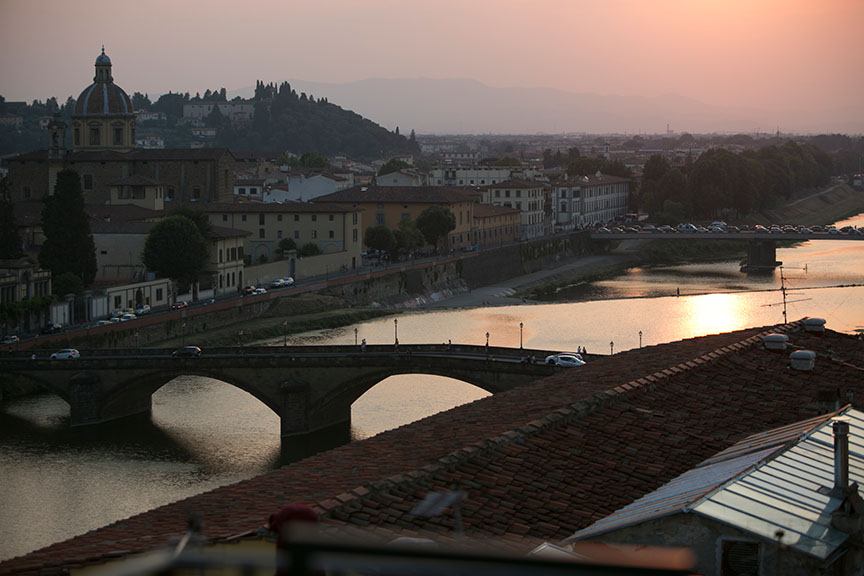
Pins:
<point x="57" y="482"/>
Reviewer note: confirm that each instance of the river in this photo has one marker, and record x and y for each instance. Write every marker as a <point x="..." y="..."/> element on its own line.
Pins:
<point x="58" y="482"/>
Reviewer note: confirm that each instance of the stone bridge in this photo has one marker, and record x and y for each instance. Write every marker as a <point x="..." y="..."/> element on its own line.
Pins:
<point x="311" y="388"/>
<point x="761" y="250"/>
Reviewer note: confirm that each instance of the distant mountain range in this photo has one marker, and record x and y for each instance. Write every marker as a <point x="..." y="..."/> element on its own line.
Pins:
<point x="465" y="106"/>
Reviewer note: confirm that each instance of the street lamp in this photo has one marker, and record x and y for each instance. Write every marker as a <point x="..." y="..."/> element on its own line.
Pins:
<point x="520" y="335"/>
<point x="611" y="347"/>
<point x="487" y="340"/>
<point x="240" y="338"/>
<point x="184" y="333"/>
<point x="285" y="334"/>
<point x="396" y="331"/>
<point x="640" y="338"/>
<point x="355" y="336"/>
<point x="136" y="340"/>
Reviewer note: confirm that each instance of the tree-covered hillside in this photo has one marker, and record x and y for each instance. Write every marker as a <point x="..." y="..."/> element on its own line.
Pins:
<point x="284" y="121"/>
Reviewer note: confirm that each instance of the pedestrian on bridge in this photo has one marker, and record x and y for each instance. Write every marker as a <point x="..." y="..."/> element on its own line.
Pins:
<point x="363" y="345"/>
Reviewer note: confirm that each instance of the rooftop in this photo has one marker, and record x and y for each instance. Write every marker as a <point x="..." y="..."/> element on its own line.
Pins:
<point x="538" y="462"/>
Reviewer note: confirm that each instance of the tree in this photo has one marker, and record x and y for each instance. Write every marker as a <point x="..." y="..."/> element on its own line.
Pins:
<point x="309" y="249"/>
<point x="585" y="166"/>
<point x="10" y="240"/>
<point x="435" y="222"/>
<point x="176" y="249"/>
<point x="68" y="245"/>
<point x="393" y="165"/>
<point x="67" y="283"/>
<point x="379" y="238"/>
<point x="408" y="238"/>
<point x="200" y="218"/>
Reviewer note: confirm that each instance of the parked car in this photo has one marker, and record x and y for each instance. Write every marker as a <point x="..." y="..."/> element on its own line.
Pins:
<point x="288" y="281"/>
<point x="52" y="328"/>
<point x="103" y="323"/>
<point x="141" y="310"/>
<point x="249" y="290"/>
<point x="180" y="305"/>
<point x="66" y="354"/>
<point x="11" y="339"/>
<point x="259" y="291"/>
<point x="565" y="360"/>
<point x="115" y="320"/>
<point x="187" y="352"/>
<point x="127" y="317"/>
<point x="277" y="283"/>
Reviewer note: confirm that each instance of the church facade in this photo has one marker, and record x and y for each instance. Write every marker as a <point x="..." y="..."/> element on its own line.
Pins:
<point x="102" y="151"/>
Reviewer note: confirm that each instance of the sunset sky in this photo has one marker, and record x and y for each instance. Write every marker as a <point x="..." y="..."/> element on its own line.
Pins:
<point x="804" y="54"/>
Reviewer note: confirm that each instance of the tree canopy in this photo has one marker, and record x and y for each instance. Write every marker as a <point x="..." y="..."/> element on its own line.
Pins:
<point x="68" y="245"/>
<point x="392" y="165"/>
<point x="10" y="240"/>
<point x="435" y="222"/>
<point x="379" y="238"/>
<point x="176" y="249"/>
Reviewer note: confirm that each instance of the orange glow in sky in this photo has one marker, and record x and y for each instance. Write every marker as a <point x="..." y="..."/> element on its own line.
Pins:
<point x="794" y="54"/>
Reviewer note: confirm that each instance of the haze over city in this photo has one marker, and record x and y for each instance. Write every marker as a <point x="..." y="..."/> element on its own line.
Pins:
<point x="764" y="65"/>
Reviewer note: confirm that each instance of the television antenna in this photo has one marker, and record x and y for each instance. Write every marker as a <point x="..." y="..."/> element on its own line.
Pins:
<point x="783" y="291"/>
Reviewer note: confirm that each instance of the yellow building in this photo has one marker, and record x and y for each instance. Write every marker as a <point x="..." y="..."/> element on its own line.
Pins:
<point x="334" y="229"/>
<point x="389" y="205"/>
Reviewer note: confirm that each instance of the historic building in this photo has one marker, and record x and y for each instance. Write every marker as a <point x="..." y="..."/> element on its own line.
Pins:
<point x="103" y="152"/>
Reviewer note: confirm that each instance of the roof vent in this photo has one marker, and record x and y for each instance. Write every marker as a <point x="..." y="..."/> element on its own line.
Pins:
<point x="775" y="341"/>
<point x="814" y="325"/>
<point x="802" y="360"/>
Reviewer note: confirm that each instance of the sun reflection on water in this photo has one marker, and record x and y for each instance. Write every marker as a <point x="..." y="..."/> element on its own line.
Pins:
<point x="712" y="313"/>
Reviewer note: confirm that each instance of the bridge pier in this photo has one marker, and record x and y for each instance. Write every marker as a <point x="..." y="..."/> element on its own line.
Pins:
<point x="297" y="413"/>
<point x="88" y="404"/>
<point x="761" y="255"/>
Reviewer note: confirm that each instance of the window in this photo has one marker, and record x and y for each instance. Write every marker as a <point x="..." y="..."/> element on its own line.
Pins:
<point x="497" y="193"/>
<point x="118" y="301"/>
<point x="77" y="138"/>
<point x="279" y="217"/>
<point x="220" y="255"/>
<point x="331" y="218"/>
<point x="88" y="182"/>
<point x="740" y="558"/>
<point x="169" y="195"/>
<point x="241" y="191"/>
<point x="296" y="234"/>
<point x="94" y="136"/>
<point x="261" y="219"/>
<point x="379" y="219"/>
<point x="506" y="193"/>
<point x="243" y="217"/>
<point x="224" y="218"/>
<point x="279" y="234"/>
<point x="118" y="136"/>
<point x="314" y="234"/>
<point x="261" y="233"/>
<point x="518" y="193"/>
<point x="354" y="219"/>
<point x="159" y="294"/>
<point x="26" y="192"/>
<point x="196" y="192"/>
<point x="354" y="235"/>
<point x="296" y="217"/>
<point x="314" y="217"/>
<point x="331" y="234"/>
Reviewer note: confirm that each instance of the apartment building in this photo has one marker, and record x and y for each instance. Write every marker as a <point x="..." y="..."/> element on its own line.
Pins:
<point x="526" y="197"/>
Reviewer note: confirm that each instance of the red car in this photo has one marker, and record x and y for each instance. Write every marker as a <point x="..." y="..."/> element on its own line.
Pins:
<point x="180" y="305"/>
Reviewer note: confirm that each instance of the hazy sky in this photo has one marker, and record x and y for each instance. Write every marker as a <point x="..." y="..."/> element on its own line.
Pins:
<point x="760" y="53"/>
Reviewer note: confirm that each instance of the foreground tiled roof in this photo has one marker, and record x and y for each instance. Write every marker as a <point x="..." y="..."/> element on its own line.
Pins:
<point x="538" y="462"/>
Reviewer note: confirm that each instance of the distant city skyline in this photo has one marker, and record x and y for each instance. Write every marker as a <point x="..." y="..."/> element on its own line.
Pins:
<point x="787" y="56"/>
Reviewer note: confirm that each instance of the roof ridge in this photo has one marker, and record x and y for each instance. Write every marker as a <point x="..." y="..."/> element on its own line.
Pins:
<point x="562" y="415"/>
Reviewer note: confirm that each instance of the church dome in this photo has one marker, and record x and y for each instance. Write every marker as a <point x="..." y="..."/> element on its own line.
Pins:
<point x="103" y="97"/>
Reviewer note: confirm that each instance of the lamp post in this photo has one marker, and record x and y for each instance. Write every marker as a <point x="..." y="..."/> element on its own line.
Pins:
<point x="355" y="336"/>
<point x="285" y="334"/>
<point x="396" y="331"/>
<point x="520" y="335"/>
<point x="137" y="347"/>
<point x="487" y="340"/>
<point x="240" y="339"/>
<point x="611" y="347"/>
<point x="184" y="333"/>
<point x="640" y="338"/>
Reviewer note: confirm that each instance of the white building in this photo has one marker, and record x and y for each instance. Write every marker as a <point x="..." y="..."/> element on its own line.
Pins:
<point x="302" y="187"/>
<point x="238" y="112"/>
<point x="527" y="197"/>
<point x="589" y="200"/>
<point x="401" y="178"/>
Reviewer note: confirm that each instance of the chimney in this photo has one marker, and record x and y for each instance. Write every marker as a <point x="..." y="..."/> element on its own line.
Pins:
<point x="841" y="455"/>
